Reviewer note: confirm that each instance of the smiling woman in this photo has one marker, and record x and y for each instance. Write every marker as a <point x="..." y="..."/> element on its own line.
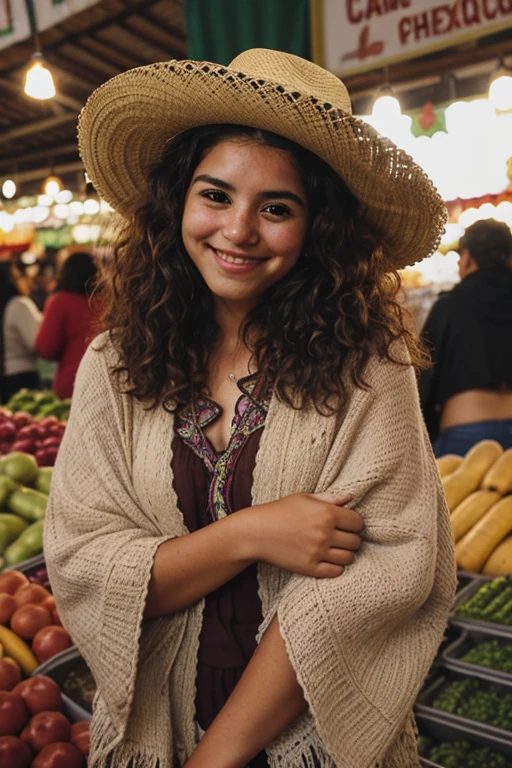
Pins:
<point x="247" y="536"/>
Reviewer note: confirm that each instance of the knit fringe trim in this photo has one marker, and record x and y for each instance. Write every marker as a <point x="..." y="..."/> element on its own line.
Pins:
<point x="108" y="750"/>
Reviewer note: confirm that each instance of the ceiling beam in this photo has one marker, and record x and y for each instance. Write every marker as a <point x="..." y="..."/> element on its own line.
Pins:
<point x="162" y="34"/>
<point x="163" y="53"/>
<point x="40" y="154"/>
<point x="41" y="173"/>
<point x="110" y="52"/>
<point x="36" y="127"/>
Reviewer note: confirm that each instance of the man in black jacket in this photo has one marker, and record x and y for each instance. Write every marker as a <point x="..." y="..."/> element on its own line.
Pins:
<point x="467" y="395"/>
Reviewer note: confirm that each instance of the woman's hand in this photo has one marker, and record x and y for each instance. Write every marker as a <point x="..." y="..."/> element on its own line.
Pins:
<point x="308" y="533"/>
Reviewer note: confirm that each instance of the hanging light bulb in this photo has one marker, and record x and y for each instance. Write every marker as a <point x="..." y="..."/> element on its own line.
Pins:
<point x="500" y="89"/>
<point x="386" y="105"/>
<point x="52" y="185"/>
<point x="8" y="189"/>
<point x="39" y="81"/>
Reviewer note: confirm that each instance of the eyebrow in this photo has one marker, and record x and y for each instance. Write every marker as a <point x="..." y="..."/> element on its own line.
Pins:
<point x="281" y="194"/>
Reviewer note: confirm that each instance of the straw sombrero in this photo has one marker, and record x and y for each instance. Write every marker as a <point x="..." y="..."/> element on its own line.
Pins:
<point x="126" y="123"/>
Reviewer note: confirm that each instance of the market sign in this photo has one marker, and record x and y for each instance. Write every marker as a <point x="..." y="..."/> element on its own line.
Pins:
<point x="14" y="19"/>
<point x="355" y="35"/>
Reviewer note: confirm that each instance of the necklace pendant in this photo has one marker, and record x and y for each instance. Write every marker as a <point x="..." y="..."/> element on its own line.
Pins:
<point x="232" y="376"/>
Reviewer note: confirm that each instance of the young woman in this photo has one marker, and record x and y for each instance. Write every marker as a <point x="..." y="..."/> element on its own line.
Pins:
<point x="68" y="321"/>
<point x="19" y="323"/>
<point x="251" y="407"/>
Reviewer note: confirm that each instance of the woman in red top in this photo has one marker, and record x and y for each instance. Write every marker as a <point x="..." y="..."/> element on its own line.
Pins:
<point x="69" y="321"/>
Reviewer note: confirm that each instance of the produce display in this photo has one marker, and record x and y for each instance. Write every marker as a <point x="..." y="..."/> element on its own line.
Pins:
<point x="493" y="654"/>
<point x="34" y="733"/>
<point x="39" y="403"/>
<point x="475" y="700"/>
<point x="30" y="628"/>
<point x="24" y="488"/>
<point x="462" y="754"/>
<point x="492" y="602"/>
<point x="478" y="490"/>
<point x="21" y="432"/>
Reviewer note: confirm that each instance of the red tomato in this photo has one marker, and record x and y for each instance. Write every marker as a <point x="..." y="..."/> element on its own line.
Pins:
<point x="49" y="602"/>
<point x="49" y="641"/>
<point x="13" y="714"/>
<point x="45" y="728"/>
<point x="56" y="617"/>
<point x="22" y="418"/>
<point x="7" y="607"/>
<point x="30" y="593"/>
<point x="8" y="430"/>
<point x="14" y="753"/>
<point x="59" y="755"/>
<point x="40" y="694"/>
<point x="10" y="581"/>
<point x="29" y="619"/>
<point x="10" y="674"/>
<point x="80" y="736"/>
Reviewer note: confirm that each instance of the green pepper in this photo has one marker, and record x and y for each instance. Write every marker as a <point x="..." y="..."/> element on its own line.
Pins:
<point x="28" y="545"/>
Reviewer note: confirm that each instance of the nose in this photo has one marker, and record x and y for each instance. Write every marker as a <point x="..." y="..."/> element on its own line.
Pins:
<point x="240" y="226"/>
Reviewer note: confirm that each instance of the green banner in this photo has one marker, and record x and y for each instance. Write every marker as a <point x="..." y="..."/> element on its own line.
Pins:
<point x="218" y="30"/>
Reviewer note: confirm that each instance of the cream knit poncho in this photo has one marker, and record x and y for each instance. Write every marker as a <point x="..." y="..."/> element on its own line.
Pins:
<point x="361" y="644"/>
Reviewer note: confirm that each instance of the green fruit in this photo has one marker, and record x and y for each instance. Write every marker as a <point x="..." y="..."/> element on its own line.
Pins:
<point x="13" y="524"/>
<point x="28" y="504"/>
<point x="21" y="467"/>
<point x="43" y="480"/>
<point x="29" y="544"/>
<point x="7" y="486"/>
<point x="4" y="537"/>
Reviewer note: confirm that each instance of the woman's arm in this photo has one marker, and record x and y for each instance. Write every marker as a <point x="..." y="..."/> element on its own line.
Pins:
<point x="311" y="534"/>
<point x="266" y="700"/>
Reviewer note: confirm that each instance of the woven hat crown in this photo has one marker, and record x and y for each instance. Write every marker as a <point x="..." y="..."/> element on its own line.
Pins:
<point x="295" y="74"/>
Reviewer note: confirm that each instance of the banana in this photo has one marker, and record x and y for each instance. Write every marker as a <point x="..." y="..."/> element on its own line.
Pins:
<point x="18" y="650"/>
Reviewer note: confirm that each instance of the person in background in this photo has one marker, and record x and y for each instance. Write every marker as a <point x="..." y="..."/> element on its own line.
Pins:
<point x="68" y="320"/>
<point x="467" y="395"/>
<point x="19" y="323"/>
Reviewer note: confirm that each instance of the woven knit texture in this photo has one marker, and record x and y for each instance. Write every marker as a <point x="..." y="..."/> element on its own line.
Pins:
<point x="126" y="122"/>
<point x="361" y="644"/>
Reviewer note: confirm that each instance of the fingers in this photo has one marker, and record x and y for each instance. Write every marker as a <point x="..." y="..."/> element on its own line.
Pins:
<point x="327" y="571"/>
<point x="337" y="556"/>
<point x="344" y="540"/>
<point x="349" y="520"/>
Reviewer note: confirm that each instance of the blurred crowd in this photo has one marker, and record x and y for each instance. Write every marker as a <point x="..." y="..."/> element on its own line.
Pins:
<point x="49" y="312"/>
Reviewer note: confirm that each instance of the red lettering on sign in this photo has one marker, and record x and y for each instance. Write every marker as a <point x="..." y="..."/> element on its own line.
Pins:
<point x="487" y="11"/>
<point x="471" y="12"/>
<point x="353" y="17"/>
<point x="404" y="29"/>
<point x="505" y="7"/>
<point x="373" y="9"/>
<point x="440" y="20"/>
<point x="421" y="26"/>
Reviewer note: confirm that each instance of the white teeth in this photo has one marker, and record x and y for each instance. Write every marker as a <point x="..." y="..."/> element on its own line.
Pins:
<point x="234" y="259"/>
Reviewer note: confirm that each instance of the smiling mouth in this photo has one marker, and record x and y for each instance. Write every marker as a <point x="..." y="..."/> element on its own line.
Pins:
<point x="237" y="259"/>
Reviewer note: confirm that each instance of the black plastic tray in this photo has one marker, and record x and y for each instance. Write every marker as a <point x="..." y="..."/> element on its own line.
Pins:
<point x="462" y="597"/>
<point x="30" y="567"/>
<point x="468" y="640"/>
<point x="445" y="674"/>
<point x="59" y="668"/>
<point x="439" y="729"/>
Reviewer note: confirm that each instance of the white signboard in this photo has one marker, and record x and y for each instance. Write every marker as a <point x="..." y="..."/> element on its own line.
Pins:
<point x="14" y="19"/>
<point x="368" y="34"/>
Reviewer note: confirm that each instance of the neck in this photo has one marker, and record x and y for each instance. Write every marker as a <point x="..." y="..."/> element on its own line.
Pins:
<point x="230" y="317"/>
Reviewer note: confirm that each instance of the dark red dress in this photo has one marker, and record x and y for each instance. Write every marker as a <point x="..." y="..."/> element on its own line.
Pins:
<point x="209" y="486"/>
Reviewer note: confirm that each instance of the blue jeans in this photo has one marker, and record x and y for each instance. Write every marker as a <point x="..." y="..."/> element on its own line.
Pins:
<point x="459" y="440"/>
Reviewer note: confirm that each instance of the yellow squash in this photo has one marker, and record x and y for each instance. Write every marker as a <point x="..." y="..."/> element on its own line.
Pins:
<point x="448" y="464"/>
<point x="499" y="477"/>
<point x="18" y="650"/>
<point x="469" y="475"/>
<point x="469" y="511"/>
<point x="500" y="561"/>
<point x="472" y="551"/>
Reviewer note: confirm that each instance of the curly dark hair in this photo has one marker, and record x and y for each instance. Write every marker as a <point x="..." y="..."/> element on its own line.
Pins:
<point x="321" y="322"/>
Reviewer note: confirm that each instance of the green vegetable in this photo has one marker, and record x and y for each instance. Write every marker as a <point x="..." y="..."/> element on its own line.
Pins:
<point x="29" y="544"/>
<point x="492" y="602"/>
<point x="7" y="486"/>
<point x="43" y="480"/>
<point x="21" y="467"/>
<point x="462" y="754"/>
<point x="13" y="525"/>
<point x="28" y="504"/>
<point x="493" y="654"/>
<point x="476" y="701"/>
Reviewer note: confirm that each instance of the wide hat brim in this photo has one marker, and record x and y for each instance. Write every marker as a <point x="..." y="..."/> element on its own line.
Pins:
<point x="126" y="123"/>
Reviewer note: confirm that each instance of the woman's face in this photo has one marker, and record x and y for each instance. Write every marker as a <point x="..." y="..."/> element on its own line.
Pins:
<point x="245" y="220"/>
